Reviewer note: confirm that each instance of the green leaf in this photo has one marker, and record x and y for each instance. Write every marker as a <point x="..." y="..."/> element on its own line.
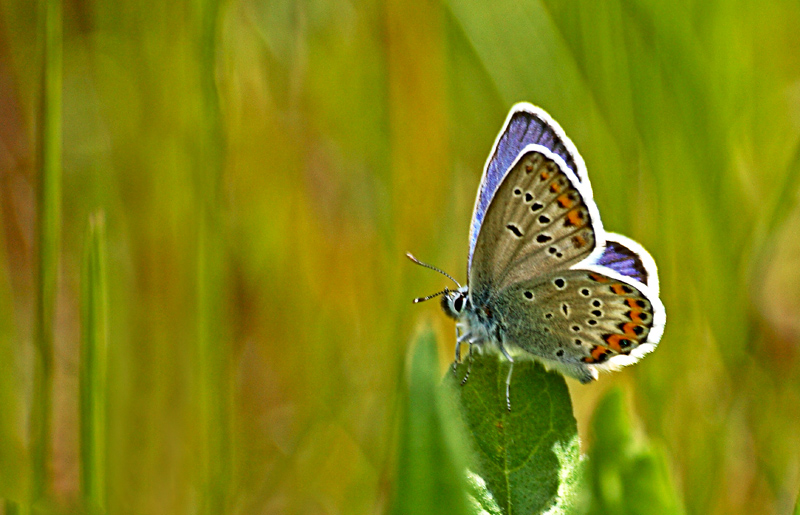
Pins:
<point x="431" y="465"/>
<point x="628" y="476"/>
<point x="528" y="458"/>
<point x="482" y="501"/>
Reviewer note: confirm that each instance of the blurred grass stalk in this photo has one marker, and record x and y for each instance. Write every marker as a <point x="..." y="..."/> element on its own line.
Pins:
<point x="94" y="342"/>
<point x="215" y="398"/>
<point x="431" y="453"/>
<point x="213" y="365"/>
<point x="13" y="508"/>
<point x="49" y="220"/>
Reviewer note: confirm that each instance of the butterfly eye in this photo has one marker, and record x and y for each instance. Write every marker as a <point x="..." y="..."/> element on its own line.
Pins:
<point x="458" y="304"/>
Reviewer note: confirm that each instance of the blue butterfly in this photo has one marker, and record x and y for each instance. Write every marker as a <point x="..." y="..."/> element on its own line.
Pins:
<point x="546" y="281"/>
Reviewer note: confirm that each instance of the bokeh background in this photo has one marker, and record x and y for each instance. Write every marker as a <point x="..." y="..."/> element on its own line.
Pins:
<point x="262" y="166"/>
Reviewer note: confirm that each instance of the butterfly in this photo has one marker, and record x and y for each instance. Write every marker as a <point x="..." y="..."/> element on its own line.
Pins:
<point x="546" y="281"/>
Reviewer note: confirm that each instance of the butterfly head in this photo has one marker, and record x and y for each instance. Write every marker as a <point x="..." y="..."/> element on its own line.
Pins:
<point x="454" y="302"/>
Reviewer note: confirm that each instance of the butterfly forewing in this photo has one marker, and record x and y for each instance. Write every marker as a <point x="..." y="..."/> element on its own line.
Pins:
<point x="540" y="219"/>
<point x="526" y="124"/>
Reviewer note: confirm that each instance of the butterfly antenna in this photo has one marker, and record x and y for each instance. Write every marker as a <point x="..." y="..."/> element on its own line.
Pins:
<point x="426" y="265"/>
<point x="429" y="297"/>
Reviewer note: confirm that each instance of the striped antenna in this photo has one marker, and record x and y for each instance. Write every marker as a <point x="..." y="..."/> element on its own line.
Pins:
<point x="426" y="265"/>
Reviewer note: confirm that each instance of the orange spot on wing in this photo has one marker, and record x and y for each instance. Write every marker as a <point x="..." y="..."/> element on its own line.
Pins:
<point x="631" y="303"/>
<point x="636" y="315"/>
<point x="579" y="241"/>
<point x="564" y="201"/>
<point x="598" y="278"/>
<point x="555" y="187"/>
<point x="573" y="217"/>
<point x="613" y="342"/>
<point x="544" y="176"/>
<point x="599" y="353"/>
<point x="617" y="288"/>
<point x="629" y="330"/>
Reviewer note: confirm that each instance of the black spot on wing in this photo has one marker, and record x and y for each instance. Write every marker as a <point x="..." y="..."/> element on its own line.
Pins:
<point x="514" y="229"/>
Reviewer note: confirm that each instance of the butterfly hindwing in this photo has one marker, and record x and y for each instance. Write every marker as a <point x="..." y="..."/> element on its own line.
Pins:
<point x="626" y="257"/>
<point x="526" y="124"/>
<point x="580" y="321"/>
<point x="540" y="219"/>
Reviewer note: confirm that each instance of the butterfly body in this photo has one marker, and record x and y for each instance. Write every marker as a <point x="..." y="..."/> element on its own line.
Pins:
<point x="546" y="281"/>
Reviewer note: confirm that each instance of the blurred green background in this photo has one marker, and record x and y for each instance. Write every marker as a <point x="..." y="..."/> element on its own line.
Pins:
<point x="262" y="167"/>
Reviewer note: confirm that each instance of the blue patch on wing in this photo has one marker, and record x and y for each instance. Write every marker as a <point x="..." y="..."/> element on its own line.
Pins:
<point x="526" y="125"/>
<point x="623" y="260"/>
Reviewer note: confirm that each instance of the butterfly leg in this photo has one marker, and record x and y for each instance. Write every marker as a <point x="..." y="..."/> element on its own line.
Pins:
<point x="508" y="378"/>
<point x="508" y="386"/>
<point x="458" y="350"/>
<point x="469" y="364"/>
<point x="459" y="341"/>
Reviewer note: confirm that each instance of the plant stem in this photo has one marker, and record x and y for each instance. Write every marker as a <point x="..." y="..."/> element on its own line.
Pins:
<point x="212" y="351"/>
<point x="93" y="367"/>
<point x="49" y="238"/>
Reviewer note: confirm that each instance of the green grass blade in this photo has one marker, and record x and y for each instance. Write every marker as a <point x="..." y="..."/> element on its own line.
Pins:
<point x="627" y="476"/>
<point x="13" y="508"/>
<point x="49" y="238"/>
<point x="214" y="378"/>
<point x="14" y="463"/>
<point x="214" y="359"/>
<point x="93" y="366"/>
<point x="529" y="458"/>
<point x="431" y="466"/>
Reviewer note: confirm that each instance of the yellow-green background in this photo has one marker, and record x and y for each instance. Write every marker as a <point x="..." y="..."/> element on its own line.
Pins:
<point x="263" y="166"/>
